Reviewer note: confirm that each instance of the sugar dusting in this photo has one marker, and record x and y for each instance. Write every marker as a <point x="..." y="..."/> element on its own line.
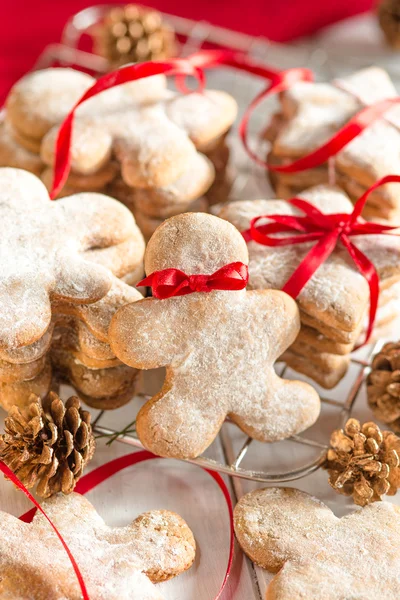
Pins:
<point x="323" y="557"/>
<point x="112" y="560"/>
<point x="337" y="294"/>
<point x="44" y="248"/>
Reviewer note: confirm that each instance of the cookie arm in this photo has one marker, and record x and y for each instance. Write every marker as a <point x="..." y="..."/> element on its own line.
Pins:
<point x="96" y="221"/>
<point x="149" y="334"/>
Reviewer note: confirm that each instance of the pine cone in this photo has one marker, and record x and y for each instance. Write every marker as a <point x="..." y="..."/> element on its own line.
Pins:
<point x="48" y="444"/>
<point x="383" y="385"/>
<point x="389" y="20"/>
<point x="134" y="34"/>
<point x="363" y="462"/>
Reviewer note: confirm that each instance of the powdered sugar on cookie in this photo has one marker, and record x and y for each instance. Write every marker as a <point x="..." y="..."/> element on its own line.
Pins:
<point x="190" y="335"/>
<point x="45" y="252"/>
<point x="117" y="563"/>
<point x="320" y="556"/>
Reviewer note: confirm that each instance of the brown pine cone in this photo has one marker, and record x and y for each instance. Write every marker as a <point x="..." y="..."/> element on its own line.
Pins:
<point x="134" y="34"/>
<point x="389" y="20"/>
<point x="383" y="385"/>
<point x="363" y="462"/>
<point x="48" y="444"/>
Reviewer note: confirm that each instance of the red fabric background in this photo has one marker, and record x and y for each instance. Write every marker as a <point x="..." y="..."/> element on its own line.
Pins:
<point x="27" y="26"/>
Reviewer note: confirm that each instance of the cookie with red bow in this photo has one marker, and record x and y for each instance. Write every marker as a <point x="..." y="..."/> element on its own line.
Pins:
<point x="313" y="113"/>
<point x="334" y="302"/>
<point x="217" y="340"/>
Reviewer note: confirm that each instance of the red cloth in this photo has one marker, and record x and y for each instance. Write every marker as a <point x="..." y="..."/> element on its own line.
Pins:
<point x="27" y="26"/>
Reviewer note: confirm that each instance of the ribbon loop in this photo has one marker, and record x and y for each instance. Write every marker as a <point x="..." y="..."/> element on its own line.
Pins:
<point x="327" y="230"/>
<point x="192" y="65"/>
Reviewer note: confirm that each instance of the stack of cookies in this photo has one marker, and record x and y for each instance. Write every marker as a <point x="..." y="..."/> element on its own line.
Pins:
<point x="334" y="304"/>
<point x="157" y="151"/>
<point x="310" y="113"/>
<point x="59" y="288"/>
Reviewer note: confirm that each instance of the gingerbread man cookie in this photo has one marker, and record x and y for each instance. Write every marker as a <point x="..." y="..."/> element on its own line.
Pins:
<point x="318" y="555"/>
<point x="218" y="347"/>
<point x="56" y="251"/>
<point x="154" y="141"/>
<point x="311" y="112"/>
<point x="117" y="563"/>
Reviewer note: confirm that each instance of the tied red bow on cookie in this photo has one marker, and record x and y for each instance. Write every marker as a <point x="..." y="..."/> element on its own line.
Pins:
<point x="173" y="282"/>
<point x="328" y="230"/>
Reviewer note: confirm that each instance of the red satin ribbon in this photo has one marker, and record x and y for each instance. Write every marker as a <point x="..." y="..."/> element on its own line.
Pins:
<point x="194" y="65"/>
<point x="327" y="230"/>
<point x="96" y="477"/>
<point x="356" y="125"/>
<point x="180" y="68"/>
<point x="173" y="282"/>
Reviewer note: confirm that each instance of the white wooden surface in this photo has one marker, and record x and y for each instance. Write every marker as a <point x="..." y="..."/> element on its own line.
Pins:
<point x="187" y="489"/>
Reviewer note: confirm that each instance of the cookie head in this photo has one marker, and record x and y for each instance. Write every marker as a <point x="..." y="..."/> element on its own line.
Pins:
<point x="195" y="243"/>
<point x="42" y="99"/>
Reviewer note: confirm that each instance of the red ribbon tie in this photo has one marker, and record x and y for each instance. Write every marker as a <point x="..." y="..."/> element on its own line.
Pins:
<point x="327" y="230"/>
<point x="94" y="478"/>
<point x="173" y="282"/>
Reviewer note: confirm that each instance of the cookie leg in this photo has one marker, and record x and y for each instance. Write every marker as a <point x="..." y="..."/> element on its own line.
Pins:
<point x="323" y="580"/>
<point x="25" y="310"/>
<point x="285" y="408"/>
<point x="179" y="426"/>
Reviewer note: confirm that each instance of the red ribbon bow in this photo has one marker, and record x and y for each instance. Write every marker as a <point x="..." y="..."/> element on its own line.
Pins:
<point x="327" y="230"/>
<point x="173" y="282"/>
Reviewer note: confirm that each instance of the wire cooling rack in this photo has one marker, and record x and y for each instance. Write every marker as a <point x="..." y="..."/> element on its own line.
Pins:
<point x="250" y="182"/>
<point x="234" y="458"/>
